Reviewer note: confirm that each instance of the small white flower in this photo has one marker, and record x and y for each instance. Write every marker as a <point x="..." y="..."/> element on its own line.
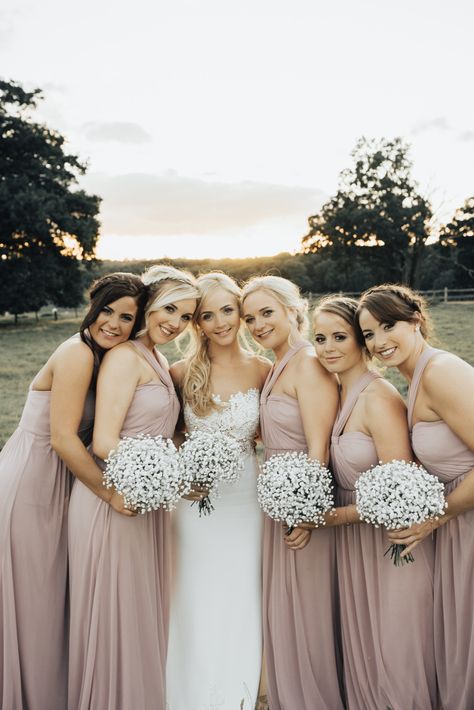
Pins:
<point x="294" y="489"/>
<point x="145" y="470"/>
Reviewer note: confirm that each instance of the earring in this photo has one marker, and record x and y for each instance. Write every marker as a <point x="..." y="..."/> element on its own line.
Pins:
<point x="417" y="328"/>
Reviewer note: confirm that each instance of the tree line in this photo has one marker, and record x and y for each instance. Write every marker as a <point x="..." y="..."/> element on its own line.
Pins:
<point x="377" y="227"/>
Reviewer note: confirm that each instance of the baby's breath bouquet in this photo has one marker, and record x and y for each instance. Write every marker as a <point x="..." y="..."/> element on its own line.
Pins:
<point x="294" y="489"/>
<point x="145" y="470"/>
<point x="208" y="459"/>
<point x="397" y="495"/>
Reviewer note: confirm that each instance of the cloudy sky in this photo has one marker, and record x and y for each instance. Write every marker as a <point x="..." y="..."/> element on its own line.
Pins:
<point x="215" y="127"/>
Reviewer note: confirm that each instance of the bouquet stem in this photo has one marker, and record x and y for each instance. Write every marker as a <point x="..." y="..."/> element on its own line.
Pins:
<point x="205" y="506"/>
<point x="396" y="555"/>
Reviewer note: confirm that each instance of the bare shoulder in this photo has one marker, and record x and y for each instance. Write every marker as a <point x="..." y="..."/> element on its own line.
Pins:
<point x="381" y="396"/>
<point x="178" y="370"/>
<point x="444" y="369"/>
<point x="262" y="364"/>
<point x="121" y="355"/>
<point x="305" y="364"/>
<point x="74" y="353"/>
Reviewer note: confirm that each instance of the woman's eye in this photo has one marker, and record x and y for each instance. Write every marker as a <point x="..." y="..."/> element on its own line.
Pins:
<point x="267" y="313"/>
<point x="388" y="326"/>
<point x="127" y="318"/>
<point x="170" y="309"/>
<point x="248" y="320"/>
<point x="340" y="338"/>
<point x="319" y="339"/>
<point x="107" y="310"/>
<point x="206" y="316"/>
<point x="367" y="336"/>
<point x="228" y="311"/>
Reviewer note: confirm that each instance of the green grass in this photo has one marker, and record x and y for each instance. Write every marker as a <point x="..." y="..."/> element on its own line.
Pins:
<point x="27" y="346"/>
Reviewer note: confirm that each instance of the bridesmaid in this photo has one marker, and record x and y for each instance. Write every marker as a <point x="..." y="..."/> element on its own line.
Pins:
<point x="297" y="410"/>
<point x="388" y="645"/>
<point x="119" y="573"/>
<point x="215" y="648"/>
<point x="394" y="323"/>
<point x="34" y="493"/>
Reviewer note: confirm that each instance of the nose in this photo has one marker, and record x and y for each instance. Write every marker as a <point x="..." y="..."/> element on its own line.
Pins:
<point x="114" y="321"/>
<point x="328" y="345"/>
<point x="175" y="320"/>
<point x="379" y="340"/>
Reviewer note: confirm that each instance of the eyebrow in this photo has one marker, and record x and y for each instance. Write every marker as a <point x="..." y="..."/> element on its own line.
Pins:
<point x="228" y="305"/>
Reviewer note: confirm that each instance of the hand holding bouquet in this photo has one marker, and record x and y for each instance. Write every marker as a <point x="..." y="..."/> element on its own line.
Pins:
<point x="397" y="495"/>
<point x="295" y="489"/>
<point x="208" y="459"/>
<point x="145" y="470"/>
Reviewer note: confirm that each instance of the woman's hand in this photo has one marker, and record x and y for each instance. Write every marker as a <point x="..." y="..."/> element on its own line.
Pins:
<point x="118" y="504"/>
<point x="298" y="538"/>
<point x="345" y="515"/>
<point x="197" y="493"/>
<point x="412" y="536"/>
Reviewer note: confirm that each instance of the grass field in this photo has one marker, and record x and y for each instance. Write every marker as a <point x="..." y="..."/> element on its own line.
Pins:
<point x="25" y="347"/>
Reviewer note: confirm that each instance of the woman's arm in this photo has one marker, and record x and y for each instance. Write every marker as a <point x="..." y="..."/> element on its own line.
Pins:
<point x="318" y="398"/>
<point x="118" y="379"/>
<point x="72" y="372"/>
<point x="448" y="383"/>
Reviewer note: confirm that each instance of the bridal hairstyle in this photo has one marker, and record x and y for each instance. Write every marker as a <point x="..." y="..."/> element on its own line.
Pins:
<point x="166" y="285"/>
<point x="103" y="291"/>
<point x="196" y="387"/>
<point x="345" y="308"/>
<point x="389" y="303"/>
<point x="288" y="294"/>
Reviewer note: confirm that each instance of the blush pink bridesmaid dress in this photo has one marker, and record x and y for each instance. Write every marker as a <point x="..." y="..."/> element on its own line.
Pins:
<point x="386" y="611"/>
<point x="299" y="587"/>
<point x="34" y="494"/>
<point x="119" y="579"/>
<point x="445" y="455"/>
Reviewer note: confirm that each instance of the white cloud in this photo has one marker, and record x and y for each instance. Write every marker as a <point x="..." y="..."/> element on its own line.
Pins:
<point x="143" y="204"/>
<point x="119" y="131"/>
<point x="438" y="124"/>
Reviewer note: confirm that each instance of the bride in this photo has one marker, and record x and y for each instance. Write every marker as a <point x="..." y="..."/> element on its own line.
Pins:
<point x="215" y="646"/>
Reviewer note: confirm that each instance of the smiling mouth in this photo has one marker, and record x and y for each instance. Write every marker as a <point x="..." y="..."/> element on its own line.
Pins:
<point x="221" y="333"/>
<point x="264" y="335"/>
<point x="388" y="352"/>
<point x="166" y="331"/>
<point x="108" y="334"/>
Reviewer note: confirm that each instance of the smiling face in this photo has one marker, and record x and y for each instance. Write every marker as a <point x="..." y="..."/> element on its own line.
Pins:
<point x="219" y="317"/>
<point x="391" y="343"/>
<point x="336" y="343"/>
<point x="114" y="323"/>
<point x="166" y="323"/>
<point x="267" y="320"/>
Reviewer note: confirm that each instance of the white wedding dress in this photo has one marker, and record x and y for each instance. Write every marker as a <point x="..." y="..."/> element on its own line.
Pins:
<point x="215" y="645"/>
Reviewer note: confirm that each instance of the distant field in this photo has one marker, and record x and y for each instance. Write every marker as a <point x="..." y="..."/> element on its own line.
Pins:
<point x="26" y="347"/>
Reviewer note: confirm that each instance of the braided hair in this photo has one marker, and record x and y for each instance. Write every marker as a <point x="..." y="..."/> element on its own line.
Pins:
<point x="389" y="303"/>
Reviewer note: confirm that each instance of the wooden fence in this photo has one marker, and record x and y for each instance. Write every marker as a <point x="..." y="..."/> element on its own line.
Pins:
<point x="440" y="295"/>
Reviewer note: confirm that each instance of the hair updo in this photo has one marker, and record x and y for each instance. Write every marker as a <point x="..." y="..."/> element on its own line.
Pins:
<point x="389" y="303"/>
<point x="286" y="292"/>
<point x="166" y="285"/>
<point x="344" y="307"/>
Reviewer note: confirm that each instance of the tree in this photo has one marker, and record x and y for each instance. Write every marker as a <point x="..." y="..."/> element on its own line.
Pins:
<point x="377" y="216"/>
<point x="46" y="223"/>
<point x="457" y="244"/>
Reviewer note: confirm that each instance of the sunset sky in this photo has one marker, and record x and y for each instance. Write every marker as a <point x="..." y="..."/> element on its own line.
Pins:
<point x="216" y="128"/>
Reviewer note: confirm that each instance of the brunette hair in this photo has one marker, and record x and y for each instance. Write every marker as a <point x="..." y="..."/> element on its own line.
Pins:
<point x="389" y="303"/>
<point x="196" y="387"/>
<point x="344" y="307"/>
<point x="103" y="291"/>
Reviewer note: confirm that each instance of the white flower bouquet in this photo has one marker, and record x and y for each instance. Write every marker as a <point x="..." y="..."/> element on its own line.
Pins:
<point x="294" y="489"/>
<point x="397" y="495"/>
<point x="208" y="459"/>
<point x="145" y="470"/>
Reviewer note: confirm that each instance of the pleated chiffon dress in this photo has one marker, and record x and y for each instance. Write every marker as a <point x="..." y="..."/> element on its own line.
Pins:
<point x="35" y="486"/>
<point x="386" y="611"/>
<point x="119" y="579"/>
<point x="445" y="455"/>
<point x="300" y="621"/>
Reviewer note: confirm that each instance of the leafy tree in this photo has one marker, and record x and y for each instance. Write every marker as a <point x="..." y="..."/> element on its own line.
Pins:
<point x="457" y="244"/>
<point x="46" y="222"/>
<point x="377" y="216"/>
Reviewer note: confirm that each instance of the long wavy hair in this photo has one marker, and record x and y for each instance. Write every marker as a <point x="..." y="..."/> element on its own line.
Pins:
<point x="107" y="289"/>
<point x="196" y="386"/>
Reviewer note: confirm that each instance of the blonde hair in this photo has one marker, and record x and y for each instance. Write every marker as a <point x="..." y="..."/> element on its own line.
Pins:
<point x="287" y="293"/>
<point x="344" y="307"/>
<point x="166" y="285"/>
<point x="196" y="386"/>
